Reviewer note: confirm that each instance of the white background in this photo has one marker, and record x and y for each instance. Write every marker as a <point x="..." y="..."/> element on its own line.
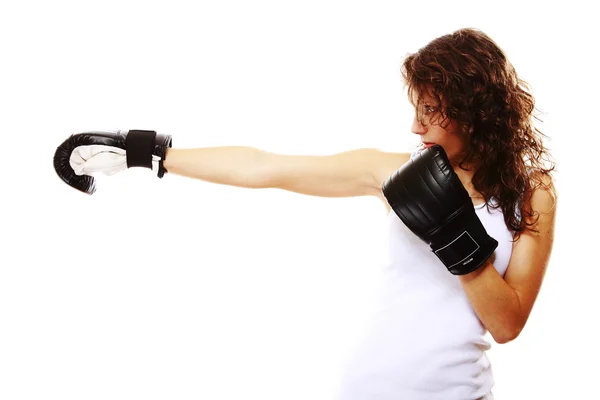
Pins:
<point x="181" y="289"/>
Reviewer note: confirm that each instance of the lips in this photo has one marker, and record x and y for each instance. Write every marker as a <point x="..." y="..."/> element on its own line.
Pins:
<point x="427" y="144"/>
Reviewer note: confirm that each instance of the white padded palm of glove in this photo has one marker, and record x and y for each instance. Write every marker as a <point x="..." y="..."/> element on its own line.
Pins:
<point x="88" y="160"/>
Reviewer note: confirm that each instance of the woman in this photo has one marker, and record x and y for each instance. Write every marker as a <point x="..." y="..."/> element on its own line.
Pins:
<point x="426" y="340"/>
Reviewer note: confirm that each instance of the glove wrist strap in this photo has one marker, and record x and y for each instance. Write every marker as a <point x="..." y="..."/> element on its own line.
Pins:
<point x="140" y="145"/>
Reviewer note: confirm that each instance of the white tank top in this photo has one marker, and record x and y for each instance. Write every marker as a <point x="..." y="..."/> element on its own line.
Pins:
<point x="423" y="339"/>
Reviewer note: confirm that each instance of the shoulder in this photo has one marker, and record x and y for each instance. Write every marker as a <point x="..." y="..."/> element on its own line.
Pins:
<point x="543" y="198"/>
<point x="383" y="164"/>
<point x="387" y="163"/>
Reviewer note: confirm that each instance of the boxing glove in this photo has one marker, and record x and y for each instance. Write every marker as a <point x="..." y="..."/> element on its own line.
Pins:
<point x="83" y="154"/>
<point x="429" y="198"/>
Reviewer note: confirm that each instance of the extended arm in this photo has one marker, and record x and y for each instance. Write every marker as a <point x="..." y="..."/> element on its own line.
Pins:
<point x="345" y="174"/>
<point x="351" y="173"/>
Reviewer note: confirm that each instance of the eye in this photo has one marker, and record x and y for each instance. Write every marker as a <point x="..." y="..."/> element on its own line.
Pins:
<point x="429" y="109"/>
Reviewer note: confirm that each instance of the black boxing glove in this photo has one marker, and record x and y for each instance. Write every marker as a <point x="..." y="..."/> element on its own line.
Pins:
<point x="430" y="199"/>
<point x="84" y="154"/>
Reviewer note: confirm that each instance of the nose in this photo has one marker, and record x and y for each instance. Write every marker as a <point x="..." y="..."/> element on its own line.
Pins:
<point x="417" y="127"/>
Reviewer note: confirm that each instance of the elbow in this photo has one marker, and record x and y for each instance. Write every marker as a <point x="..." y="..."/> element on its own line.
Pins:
<point x="506" y="335"/>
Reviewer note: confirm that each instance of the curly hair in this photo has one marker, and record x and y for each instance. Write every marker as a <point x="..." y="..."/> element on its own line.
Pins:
<point x="471" y="79"/>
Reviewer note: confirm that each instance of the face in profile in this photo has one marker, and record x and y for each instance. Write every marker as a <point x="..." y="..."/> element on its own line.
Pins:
<point x="433" y="127"/>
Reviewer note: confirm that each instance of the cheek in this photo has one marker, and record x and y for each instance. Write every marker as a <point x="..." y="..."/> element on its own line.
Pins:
<point x="451" y="142"/>
<point x="443" y="137"/>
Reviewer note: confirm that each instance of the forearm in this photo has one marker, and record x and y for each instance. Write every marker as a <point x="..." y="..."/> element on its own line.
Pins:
<point x="496" y="304"/>
<point x="228" y="165"/>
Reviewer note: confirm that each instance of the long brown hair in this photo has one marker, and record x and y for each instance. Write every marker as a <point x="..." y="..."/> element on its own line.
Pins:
<point x="471" y="79"/>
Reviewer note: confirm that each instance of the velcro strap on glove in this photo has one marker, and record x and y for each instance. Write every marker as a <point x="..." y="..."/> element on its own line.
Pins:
<point x="140" y="147"/>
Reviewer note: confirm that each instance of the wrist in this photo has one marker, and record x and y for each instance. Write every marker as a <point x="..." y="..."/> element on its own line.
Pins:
<point x="476" y="273"/>
<point x="169" y="158"/>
